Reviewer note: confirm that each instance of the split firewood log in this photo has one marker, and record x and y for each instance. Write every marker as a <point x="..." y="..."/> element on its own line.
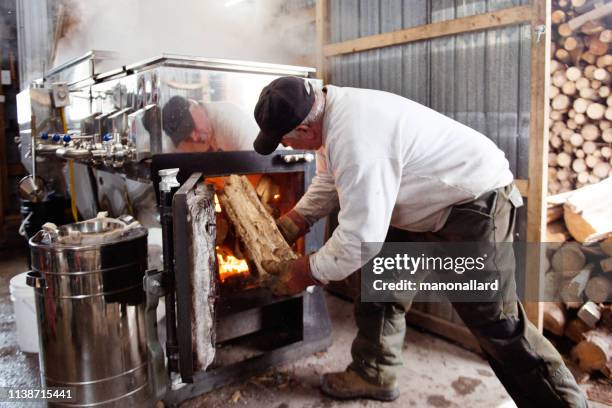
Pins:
<point x="606" y="245"/>
<point x="553" y="213"/>
<point x="592" y="27"/>
<point x="580" y="104"/>
<point x="591" y="161"/>
<point x="596" y="46"/>
<point x="254" y="225"/>
<point x="588" y="212"/>
<point x="569" y="88"/>
<point x="594" y="352"/>
<point x="589" y="17"/>
<point x="589" y="147"/>
<point x="590" y="132"/>
<point x="578" y="165"/>
<point x="568" y="260"/>
<point x="606" y="318"/>
<point x="587" y="57"/>
<point x="556" y="232"/>
<point x="606" y="264"/>
<point x="557" y="17"/>
<point x="572" y="291"/>
<point x="596" y="111"/>
<point x="564" y="30"/>
<point x="590" y="313"/>
<point x="604" y="61"/>
<point x="561" y="102"/>
<point x="601" y="169"/>
<point x="564" y="159"/>
<point x="598" y="289"/>
<point x="554" y="318"/>
<point x="576" y="139"/>
<point x="575" y="329"/>
<point x="573" y="73"/>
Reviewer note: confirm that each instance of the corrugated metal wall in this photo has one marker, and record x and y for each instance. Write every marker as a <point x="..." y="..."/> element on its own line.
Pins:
<point x="480" y="79"/>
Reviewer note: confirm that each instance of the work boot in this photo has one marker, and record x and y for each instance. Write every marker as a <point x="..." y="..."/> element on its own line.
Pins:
<point x="348" y="384"/>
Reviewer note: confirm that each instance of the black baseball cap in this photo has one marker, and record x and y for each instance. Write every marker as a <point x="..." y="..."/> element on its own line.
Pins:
<point x="176" y="119"/>
<point x="282" y="106"/>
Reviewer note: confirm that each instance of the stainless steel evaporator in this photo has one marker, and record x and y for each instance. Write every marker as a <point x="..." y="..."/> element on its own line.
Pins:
<point x="88" y="279"/>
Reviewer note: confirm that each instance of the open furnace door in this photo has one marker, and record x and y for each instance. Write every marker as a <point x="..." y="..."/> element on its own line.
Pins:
<point x="195" y="267"/>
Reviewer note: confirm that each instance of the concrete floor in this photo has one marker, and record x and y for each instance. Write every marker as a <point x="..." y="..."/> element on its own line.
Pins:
<point x="436" y="373"/>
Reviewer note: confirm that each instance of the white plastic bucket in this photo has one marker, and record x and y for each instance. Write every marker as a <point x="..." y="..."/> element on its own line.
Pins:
<point x="24" y="305"/>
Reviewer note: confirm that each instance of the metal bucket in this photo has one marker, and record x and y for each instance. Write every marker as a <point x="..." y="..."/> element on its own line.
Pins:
<point x="90" y="303"/>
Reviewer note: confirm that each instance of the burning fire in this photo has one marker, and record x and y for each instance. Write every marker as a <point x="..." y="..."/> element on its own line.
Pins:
<point x="217" y="204"/>
<point x="229" y="265"/>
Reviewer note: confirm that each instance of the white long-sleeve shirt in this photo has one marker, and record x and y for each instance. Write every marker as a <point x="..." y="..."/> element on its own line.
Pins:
<point x="234" y="128"/>
<point x="387" y="160"/>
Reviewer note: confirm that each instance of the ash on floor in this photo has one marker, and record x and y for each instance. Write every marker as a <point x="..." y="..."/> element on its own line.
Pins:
<point x="436" y="373"/>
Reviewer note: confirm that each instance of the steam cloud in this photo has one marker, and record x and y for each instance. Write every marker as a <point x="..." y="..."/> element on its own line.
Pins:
<point x="137" y="29"/>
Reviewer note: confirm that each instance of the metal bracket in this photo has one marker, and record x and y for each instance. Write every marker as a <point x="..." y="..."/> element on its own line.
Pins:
<point x="540" y="30"/>
<point x="297" y="157"/>
<point x="168" y="179"/>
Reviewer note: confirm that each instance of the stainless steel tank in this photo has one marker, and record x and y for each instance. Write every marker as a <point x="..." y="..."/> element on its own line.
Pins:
<point x="88" y="279"/>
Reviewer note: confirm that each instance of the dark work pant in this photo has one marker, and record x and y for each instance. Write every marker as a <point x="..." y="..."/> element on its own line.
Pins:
<point x="527" y="364"/>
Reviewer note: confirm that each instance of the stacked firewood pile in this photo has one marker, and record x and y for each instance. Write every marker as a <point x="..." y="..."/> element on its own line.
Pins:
<point x="581" y="98"/>
<point x="578" y="281"/>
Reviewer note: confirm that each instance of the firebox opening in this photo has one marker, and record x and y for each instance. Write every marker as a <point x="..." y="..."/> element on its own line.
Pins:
<point x="278" y="193"/>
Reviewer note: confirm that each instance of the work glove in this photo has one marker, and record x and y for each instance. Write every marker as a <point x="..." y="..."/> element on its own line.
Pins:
<point x="289" y="277"/>
<point x="292" y="226"/>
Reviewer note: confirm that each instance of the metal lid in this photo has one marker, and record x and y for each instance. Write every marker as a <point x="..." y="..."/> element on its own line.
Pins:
<point x="101" y="230"/>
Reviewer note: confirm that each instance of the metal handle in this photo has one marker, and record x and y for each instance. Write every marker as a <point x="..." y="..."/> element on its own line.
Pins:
<point x="35" y="280"/>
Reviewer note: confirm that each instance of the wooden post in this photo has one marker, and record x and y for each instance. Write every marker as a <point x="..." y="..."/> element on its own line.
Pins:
<point x="322" y="27"/>
<point x="538" y="152"/>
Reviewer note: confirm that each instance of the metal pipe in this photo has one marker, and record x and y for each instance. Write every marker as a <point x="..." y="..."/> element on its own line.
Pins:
<point x="33" y="144"/>
<point x="167" y="187"/>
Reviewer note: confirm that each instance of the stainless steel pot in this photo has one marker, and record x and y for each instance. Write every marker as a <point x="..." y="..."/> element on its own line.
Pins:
<point x="88" y="280"/>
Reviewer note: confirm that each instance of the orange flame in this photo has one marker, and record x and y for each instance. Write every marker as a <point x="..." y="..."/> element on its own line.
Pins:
<point x="229" y="265"/>
<point x="217" y="204"/>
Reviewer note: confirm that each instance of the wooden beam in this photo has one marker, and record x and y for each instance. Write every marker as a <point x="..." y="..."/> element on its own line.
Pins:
<point x="444" y="328"/>
<point x="538" y="155"/>
<point x="322" y="29"/>
<point x="505" y="17"/>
